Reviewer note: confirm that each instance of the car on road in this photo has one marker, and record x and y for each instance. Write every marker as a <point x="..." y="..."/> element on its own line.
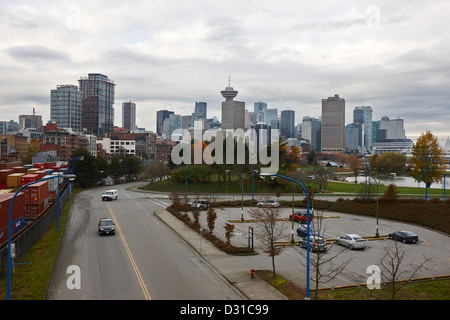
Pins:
<point x="200" y="204"/>
<point x="351" y="241"/>
<point x="316" y="243"/>
<point x="301" y="216"/>
<point x="109" y="195"/>
<point x="268" y="204"/>
<point x="106" y="226"/>
<point x="303" y="229"/>
<point x="404" y="236"/>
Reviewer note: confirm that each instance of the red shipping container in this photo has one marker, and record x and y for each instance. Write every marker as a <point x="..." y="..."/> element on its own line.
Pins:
<point x="2" y="186"/>
<point x="19" y="169"/>
<point x="36" y="193"/>
<point x="17" y="209"/>
<point x="49" y="165"/>
<point x="40" y="166"/>
<point x="25" y="179"/>
<point x="41" y="174"/>
<point x="4" y="173"/>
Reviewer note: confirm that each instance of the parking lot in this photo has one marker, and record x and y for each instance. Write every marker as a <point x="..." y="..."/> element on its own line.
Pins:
<point x="291" y="263"/>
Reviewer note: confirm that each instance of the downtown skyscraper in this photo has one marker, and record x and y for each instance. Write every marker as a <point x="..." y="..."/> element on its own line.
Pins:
<point x="65" y="107"/>
<point x="333" y="125"/>
<point x="233" y="112"/>
<point x="98" y="93"/>
<point x="129" y="115"/>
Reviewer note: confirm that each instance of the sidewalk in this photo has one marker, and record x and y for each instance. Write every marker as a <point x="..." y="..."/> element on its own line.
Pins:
<point x="254" y="288"/>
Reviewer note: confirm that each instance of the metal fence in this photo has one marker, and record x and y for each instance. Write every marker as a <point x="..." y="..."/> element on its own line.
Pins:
<point x="27" y="238"/>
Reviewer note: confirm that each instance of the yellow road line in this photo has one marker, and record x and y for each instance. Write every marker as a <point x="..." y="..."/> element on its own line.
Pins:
<point x="130" y="256"/>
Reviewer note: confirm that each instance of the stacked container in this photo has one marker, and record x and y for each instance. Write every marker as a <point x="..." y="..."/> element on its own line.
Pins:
<point x="4" y="173"/>
<point x="17" y="212"/>
<point x="19" y="169"/>
<point x="13" y="180"/>
<point x="36" y="199"/>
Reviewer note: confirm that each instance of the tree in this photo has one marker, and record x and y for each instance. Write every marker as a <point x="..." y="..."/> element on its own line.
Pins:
<point x="355" y="163"/>
<point x="435" y="169"/>
<point x="390" y="162"/>
<point x="32" y="148"/>
<point x="91" y="170"/>
<point x="269" y="230"/>
<point x="211" y="216"/>
<point x="229" y="228"/>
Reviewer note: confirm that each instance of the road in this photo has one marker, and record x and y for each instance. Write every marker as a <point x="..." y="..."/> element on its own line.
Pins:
<point x="144" y="259"/>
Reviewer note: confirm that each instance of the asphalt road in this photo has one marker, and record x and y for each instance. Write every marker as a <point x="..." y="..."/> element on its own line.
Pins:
<point x="144" y="259"/>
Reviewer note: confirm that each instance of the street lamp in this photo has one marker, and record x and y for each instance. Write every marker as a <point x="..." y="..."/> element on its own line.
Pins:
<point x="8" y="284"/>
<point x="426" y="172"/>
<point x="307" y="226"/>
<point x="59" y="173"/>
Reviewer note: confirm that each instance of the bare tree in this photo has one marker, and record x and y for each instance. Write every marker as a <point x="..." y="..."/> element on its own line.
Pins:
<point x="211" y="216"/>
<point x="269" y="229"/>
<point x="229" y="228"/>
<point x="324" y="269"/>
<point x="391" y="269"/>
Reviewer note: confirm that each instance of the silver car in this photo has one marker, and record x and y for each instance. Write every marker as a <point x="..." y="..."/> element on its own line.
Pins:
<point x="352" y="241"/>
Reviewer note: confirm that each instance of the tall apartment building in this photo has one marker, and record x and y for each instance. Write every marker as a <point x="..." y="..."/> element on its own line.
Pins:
<point x="333" y="125"/>
<point x="233" y="112"/>
<point x="65" y="107"/>
<point x="311" y="131"/>
<point x="98" y="94"/>
<point x="161" y="115"/>
<point x="271" y="117"/>
<point x="200" y="111"/>
<point x="287" y="124"/>
<point x="129" y="115"/>
<point x="259" y="108"/>
<point x="363" y="115"/>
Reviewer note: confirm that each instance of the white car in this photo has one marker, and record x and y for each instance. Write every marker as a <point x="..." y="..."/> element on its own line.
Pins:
<point x="352" y="241"/>
<point x="110" y="195"/>
<point x="268" y="204"/>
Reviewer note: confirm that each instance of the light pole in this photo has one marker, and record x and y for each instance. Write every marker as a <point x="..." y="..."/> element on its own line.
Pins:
<point x="242" y="191"/>
<point x="426" y="172"/>
<point x="9" y="264"/>
<point x="307" y="226"/>
<point x="59" y="174"/>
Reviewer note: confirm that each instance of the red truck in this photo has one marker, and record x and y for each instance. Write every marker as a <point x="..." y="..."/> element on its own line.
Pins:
<point x="301" y="216"/>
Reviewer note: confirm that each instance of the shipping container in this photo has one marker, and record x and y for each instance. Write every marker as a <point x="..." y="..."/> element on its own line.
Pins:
<point x="13" y="180"/>
<point x="49" y="171"/>
<point x="39" y="166"/>
<point x="4" y="173"/>
<point x="49" y="165"/>
<point x="36" y="193"/>
<point x="32" y="170"/>
<point x="41" y="173"/>
<point x="17" y="212"/>
<point x="19" y="169"/>
<point x="28" y="178"/>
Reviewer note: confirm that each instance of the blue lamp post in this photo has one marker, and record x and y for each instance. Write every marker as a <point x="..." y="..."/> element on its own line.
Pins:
<point x="307" y="226"/>
<point x="9" y="264"/>
<point x="426" y="172"/>
<point x="59" y="173"/>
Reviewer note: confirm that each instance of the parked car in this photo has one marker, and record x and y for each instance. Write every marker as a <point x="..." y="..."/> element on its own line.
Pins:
<point x="404" y="236"/>
<point x="110" y="195"/>
<point x="316" y="243"/>
<point x="106" y="226"/>
<point x="352" y="241"/>
<point x="268" y="204"/>
<point x="301" y="216"/>
<point x="200" y="204"/>
<point x="302" y="231"/>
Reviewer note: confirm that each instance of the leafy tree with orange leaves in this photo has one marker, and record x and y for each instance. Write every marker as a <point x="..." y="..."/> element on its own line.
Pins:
<point x="436" y="159"/>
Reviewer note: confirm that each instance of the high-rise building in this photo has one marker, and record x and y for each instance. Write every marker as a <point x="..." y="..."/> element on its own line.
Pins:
<point x="287" y="124"/>
<point x="200" y="110"/>
<point x="363" y="116"/>
<point x="161" y="115"/>
<point x="129" y="115"/>
<point x="333" y="125"/>
<point x="233" y="112"/>
<point x="271" y="117"/>
<point x="65" y="107"/>
<point x="31" y="121"/>
<point x="311" y="131"/>
<point x="390" y="129"/>
<point x="98" y="94"/>
<point x="259" y="108"/>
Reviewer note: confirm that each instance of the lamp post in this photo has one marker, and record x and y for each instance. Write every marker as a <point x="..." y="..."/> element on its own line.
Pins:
<point x="59" y="174"/>
<point x="307" y="226"/>
<point x="242" y="191"/>
<point x="9" y="264"/>
<point x="426" y="172"/>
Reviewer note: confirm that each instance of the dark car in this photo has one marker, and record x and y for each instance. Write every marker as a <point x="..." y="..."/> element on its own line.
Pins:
<point x="301" y="216"/>
<point x="316" y="243"/>
<point x="303" y="229"/>
<point x="106" y="226"/>
<point x="404" y="236"/>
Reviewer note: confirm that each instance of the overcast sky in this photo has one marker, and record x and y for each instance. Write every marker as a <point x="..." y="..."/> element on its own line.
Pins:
<point x="168" y="54"/>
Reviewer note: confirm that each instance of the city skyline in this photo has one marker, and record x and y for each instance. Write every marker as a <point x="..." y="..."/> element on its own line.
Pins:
<point x="389" y="56"/>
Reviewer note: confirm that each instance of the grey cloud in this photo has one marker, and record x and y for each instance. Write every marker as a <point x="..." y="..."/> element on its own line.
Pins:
<point x="37" y="53"/>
